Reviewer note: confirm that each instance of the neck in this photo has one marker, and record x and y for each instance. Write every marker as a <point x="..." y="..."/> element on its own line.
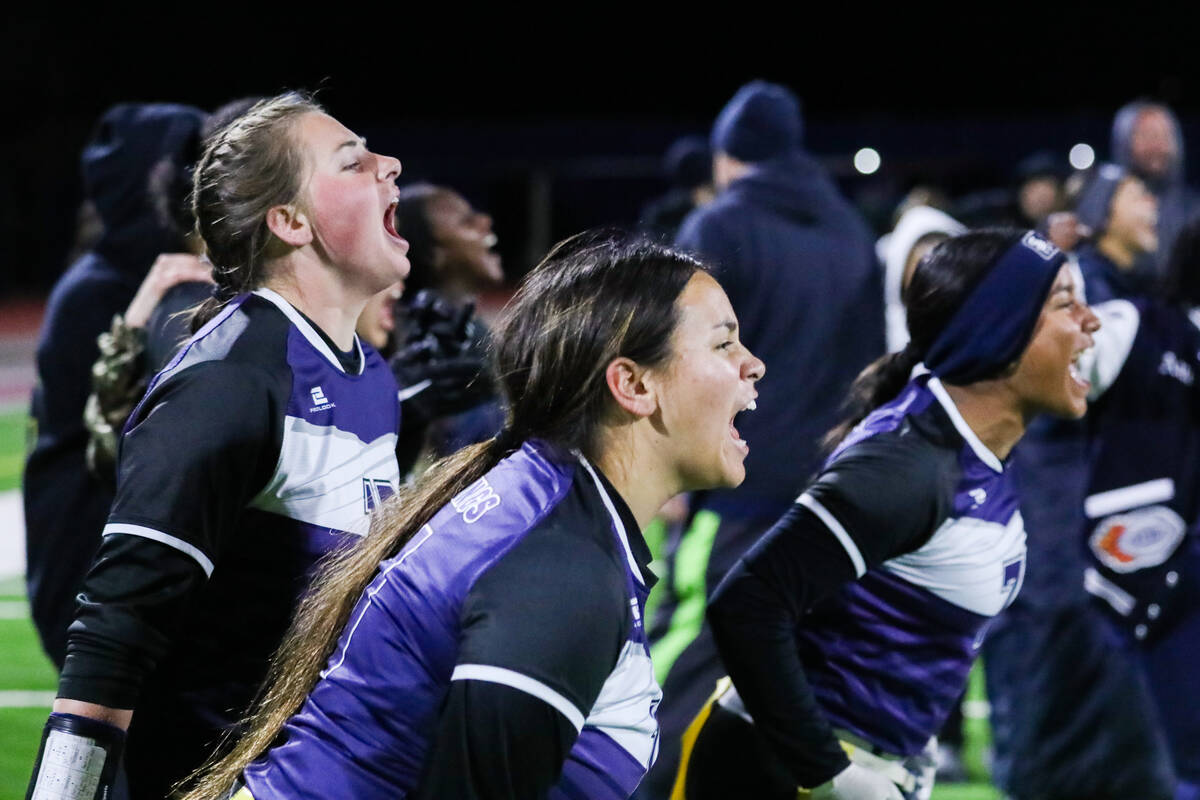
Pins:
<point x="642" y="481"/>
<point x="1117" y="251"/>
<point x="992" y="413"/>
<point x="317" y="291"/>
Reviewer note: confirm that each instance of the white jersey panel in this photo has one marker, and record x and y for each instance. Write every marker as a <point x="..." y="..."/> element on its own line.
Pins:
<point x="972" y="563"/>
<point x="625" y="709"/>
<point x="325" y="476"/>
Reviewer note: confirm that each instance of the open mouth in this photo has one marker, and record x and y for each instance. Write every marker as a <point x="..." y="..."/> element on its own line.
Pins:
<point x="733" y="431"/>
<point x="389" y="224"/>
<point x="1075" y="370"/>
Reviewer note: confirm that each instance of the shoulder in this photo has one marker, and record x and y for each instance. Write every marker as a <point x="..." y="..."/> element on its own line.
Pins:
<point x="905" y="458"/>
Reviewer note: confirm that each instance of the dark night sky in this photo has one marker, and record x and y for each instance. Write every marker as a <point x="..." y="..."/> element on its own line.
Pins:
<point x="465" y="69"/>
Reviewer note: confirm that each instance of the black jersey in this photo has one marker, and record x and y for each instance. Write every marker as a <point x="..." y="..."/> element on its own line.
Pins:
<point x="915" y="507"/>
<point x="252" y="455"/>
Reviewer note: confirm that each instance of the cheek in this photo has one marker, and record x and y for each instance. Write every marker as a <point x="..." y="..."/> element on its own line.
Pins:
<point x="341" y="215"/>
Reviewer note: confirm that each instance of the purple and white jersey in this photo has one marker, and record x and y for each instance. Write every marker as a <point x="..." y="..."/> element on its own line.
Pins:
<point x="254" y="453"/>
<point x="929" y="518"/>
<point x="531" y="581"/>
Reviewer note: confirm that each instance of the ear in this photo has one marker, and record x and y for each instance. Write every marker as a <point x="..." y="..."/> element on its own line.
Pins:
<point x="627" y="382"/>
<point x="290" y="225"/>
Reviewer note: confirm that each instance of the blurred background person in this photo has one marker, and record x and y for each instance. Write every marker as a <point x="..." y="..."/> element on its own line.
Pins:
<point x="1071" y="716"/>
<point x="1121" y="216"/>
<point x="798" y="264"/>
<point x="454" y="260"/>
<point x="687" y="165"/>
<point x="919" y="230"/>
<point x="1143" y="496"/>
<point x="65" y="506"/>
<point x="1147" y="141"/>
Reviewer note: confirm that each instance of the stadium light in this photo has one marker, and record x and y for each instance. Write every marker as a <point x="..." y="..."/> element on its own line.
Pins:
<point x="1082" y="156"/>
<point x="867" y="160"/>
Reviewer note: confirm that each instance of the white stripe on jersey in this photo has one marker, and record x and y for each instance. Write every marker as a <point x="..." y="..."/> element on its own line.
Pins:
<point x="964" y="430"/>
<point x="835" y="527"/>
<point x="165" y="538"/>
<point x="1097" y="585"/>
<point x="1149" y="493"/>
<point x="333" y="496"/>
<point x="964" y="563"/>
<point x="616" y="518"/>
<point x="523" y="683"/>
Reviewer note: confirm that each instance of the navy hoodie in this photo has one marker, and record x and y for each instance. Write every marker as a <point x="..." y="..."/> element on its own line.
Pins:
<point x="65" y="508"/>
<point x="799" y="267"/>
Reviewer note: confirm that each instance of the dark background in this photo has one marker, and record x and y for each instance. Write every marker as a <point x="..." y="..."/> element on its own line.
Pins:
<point x="555" y="120"/>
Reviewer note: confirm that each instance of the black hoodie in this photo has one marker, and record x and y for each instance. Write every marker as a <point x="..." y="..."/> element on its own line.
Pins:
<point x="798" y="264"/>
<point x="65" y="507"/>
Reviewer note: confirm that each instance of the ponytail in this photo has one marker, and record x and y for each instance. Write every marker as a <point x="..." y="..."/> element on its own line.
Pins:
<point x="338" y="583"/>
<point x="880" y="382"/>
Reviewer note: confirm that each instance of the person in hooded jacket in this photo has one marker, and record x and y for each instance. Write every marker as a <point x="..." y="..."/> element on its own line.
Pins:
<point x="65" y="507"/>
<point x="1147" y="141"/>
<point x="798" y="263"/>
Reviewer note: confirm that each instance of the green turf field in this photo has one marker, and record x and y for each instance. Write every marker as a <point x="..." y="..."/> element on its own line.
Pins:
<point x="13" y="426"/>
<point x="27" y="677"/>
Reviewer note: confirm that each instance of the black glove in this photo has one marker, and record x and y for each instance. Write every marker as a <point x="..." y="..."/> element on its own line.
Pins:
<point x="442" y="366"/>
<point x="77" y="759"/>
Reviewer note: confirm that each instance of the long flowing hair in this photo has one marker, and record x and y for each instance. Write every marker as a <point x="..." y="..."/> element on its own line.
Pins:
<point x="593" y="299"/>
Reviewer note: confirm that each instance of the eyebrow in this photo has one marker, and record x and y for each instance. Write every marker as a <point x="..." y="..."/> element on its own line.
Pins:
<point x="352" y="143"/>
<point x="729" y="324"/>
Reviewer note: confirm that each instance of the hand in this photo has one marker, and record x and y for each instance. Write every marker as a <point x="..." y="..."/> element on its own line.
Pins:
<point x="441" y="368"/>
<point x="168" y="270"/>
<point x="857" y="783"/>
<point x="1065" y="231"/>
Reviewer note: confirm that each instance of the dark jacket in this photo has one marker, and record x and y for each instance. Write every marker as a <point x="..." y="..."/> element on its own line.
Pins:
<point x="65" y="507"/>
<point x="799" y="267"/>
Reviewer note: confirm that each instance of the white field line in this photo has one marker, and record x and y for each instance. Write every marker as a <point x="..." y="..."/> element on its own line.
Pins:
<point x="12" y="534"/>
<point x="24" y="699"/>
<point x="14" y="609"/>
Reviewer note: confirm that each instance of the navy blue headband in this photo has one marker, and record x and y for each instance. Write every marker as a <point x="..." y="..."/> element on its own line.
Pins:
<point x="994" y="325"/>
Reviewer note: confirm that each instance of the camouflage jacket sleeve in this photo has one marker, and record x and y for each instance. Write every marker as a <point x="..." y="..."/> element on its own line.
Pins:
<point x="118" y="383"/>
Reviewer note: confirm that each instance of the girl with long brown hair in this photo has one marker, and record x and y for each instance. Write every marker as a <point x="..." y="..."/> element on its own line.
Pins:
<point x="260" y="447"/>
<point x="486" y="639"/>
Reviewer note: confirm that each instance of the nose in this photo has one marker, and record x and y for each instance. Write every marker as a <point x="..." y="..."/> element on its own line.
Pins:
<point x="387" y="168"/>
<point x="484" y="221"/>
<point x="1090" y="322"/>
<point x="754" y="368"/>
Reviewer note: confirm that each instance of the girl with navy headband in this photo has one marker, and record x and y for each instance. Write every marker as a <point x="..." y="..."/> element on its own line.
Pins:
<point x="849" y="629"/>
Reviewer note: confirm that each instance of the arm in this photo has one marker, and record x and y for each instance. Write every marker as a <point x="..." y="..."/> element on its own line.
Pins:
<point x="194" y="457"/>
<point x="538" y="643"/>
<point x="186" y="471"/>
<point x="856" y="515"/>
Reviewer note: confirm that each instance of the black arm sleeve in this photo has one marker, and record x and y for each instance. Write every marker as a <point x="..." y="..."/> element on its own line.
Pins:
<point x="882" y="498"/>
<point x="194" y="459"/>
<point x="494" y="741"/>
<point x="135" y="590"/>
<point x="542" y="630"/>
